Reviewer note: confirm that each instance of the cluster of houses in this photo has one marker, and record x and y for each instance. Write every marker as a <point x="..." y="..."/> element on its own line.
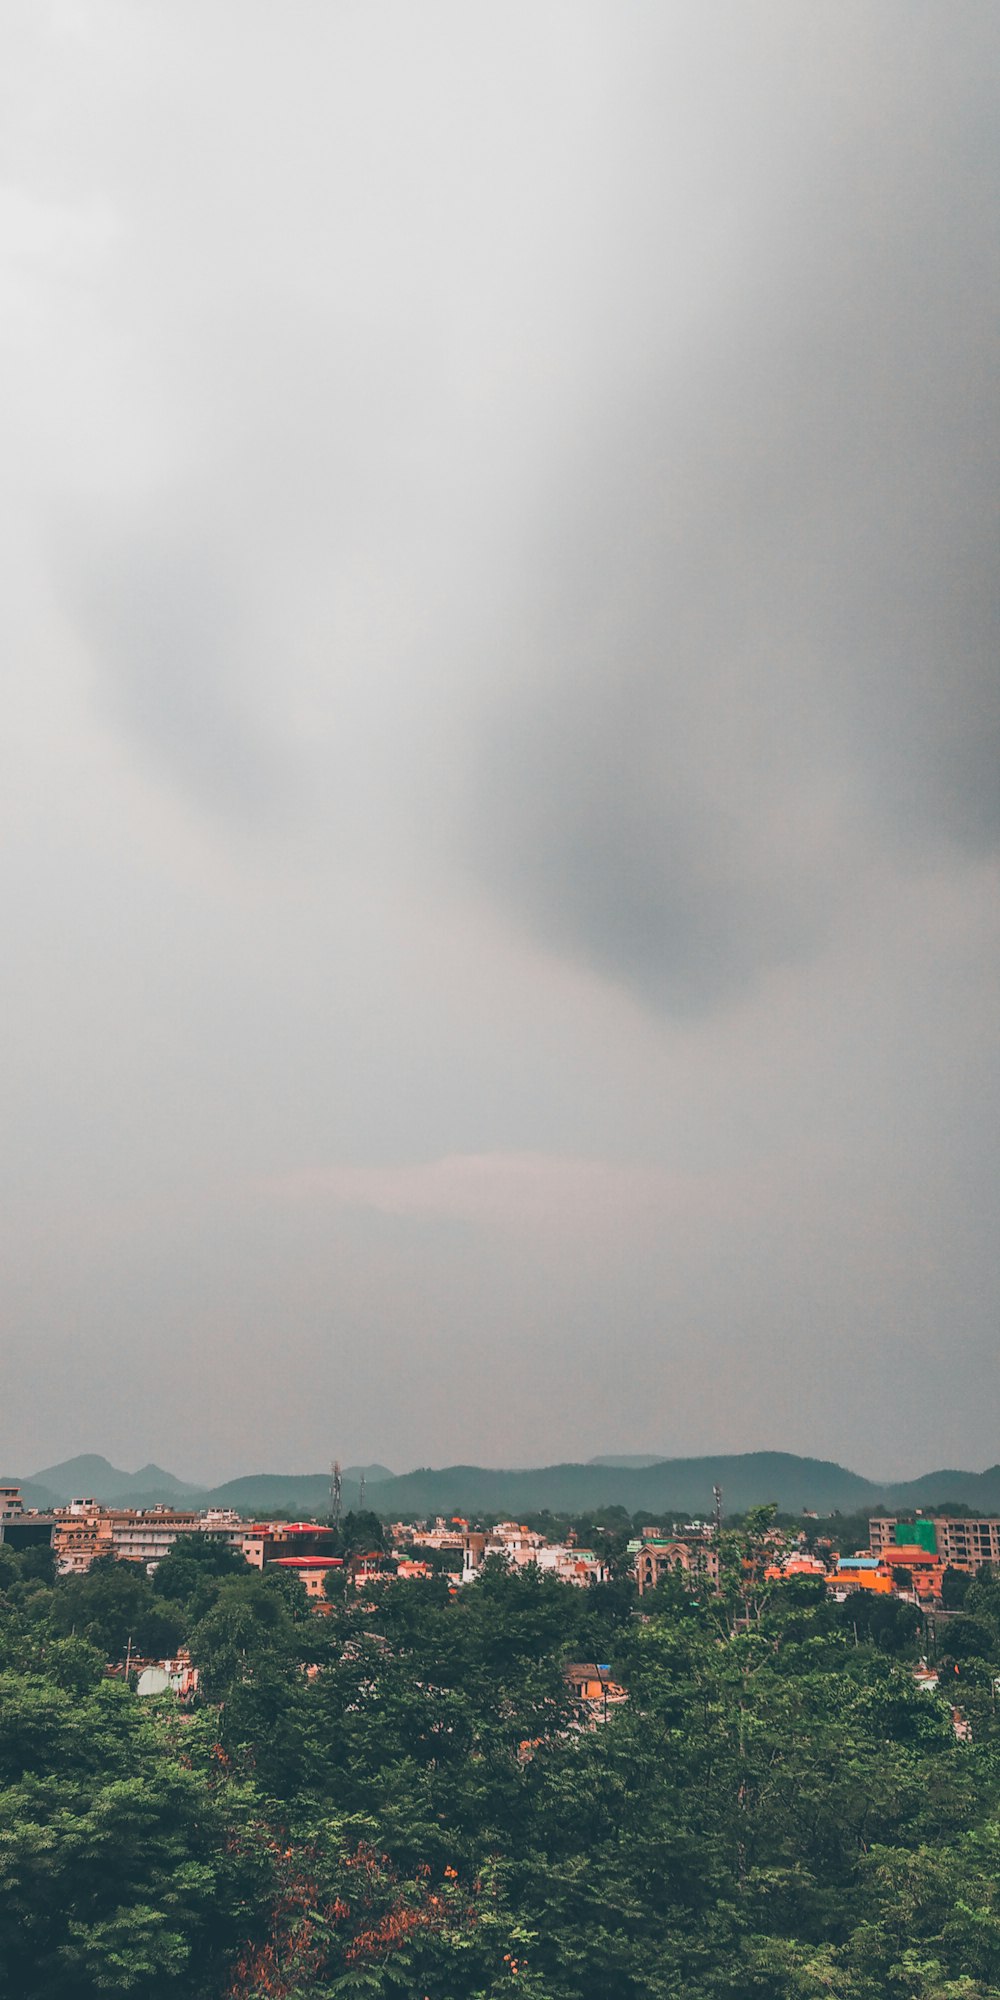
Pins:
<point x="83" y="1531"/>
<point x="519" y="1545"/>
<point x="904" y="1558"/>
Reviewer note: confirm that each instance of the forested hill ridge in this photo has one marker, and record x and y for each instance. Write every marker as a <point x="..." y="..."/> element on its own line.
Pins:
<point x="748" y="1479"/>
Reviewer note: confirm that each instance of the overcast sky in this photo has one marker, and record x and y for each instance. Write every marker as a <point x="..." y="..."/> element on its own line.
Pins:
<point x="500" y="767"/>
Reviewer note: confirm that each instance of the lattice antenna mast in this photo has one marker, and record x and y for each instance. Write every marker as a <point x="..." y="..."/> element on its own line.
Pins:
<point x="361" y="1493"/>
<point x="336" y="1488"/>
<point x="717" y="1510"/>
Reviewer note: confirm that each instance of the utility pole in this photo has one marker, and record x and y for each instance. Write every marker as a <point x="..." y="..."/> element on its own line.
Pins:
<point x="717" y="1536"/>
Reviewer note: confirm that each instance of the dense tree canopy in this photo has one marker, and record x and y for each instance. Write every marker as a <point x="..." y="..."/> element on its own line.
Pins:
<point x="401" y="1796"/>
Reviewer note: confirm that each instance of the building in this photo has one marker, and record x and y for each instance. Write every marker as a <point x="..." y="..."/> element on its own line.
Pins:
<point x="924" y="1570"/>
<point x="795" y="1563"/>
<point x="691" y="1557"/>
<point x="958" y="1542"/>
<point x="443" y="1535"/>
<point x="583" y="1567"/>
<point x="518" y="1544"/>
<point x="177" y="1676"/>
<point x="371" y="1567"/>
<point x="594" y="1686"/>
<point x="19" y="1530"/>
<point x="85" y="1531"/>
<point x="521" y="1547"/>
<point x="310" y="1571"/>
<point x="263" y="1542"/>
<point x="861" y="1573"/>
<point x="82" y="1534"/>
<point x="145" y="1535"/>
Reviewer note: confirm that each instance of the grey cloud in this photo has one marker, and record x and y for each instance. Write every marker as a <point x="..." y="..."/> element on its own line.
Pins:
<point x="170" y="631"/>
<point x="198" y="601"/>
<point x="765" y="634"/>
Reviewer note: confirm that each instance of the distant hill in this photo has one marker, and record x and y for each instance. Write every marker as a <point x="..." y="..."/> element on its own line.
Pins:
<point x="154" y="1475"/>
<point x="91" y="1477"/>
<point x="747" y="1479"/>
<point x="682" y="1484"/>
<point x="301" y="1494"/>
<point x="978" y="1490"/>
<point x="629" y="1459"/>
<point x="87" y="1477"/>
<point x="638" y="1483"/>
<point x="32" y="1493"/>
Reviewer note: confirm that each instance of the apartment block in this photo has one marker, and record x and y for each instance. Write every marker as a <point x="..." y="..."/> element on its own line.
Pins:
<point x="962" y="1543"/>
<point x="85" y="1531"/>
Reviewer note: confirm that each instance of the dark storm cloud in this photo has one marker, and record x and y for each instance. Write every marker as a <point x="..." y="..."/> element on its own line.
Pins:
<point x="764" y="636"/>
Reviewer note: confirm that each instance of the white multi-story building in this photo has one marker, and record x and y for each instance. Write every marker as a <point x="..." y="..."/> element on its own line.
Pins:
<point x="522" y="1546"/>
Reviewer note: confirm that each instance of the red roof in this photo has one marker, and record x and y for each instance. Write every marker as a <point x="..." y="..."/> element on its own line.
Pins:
<point x="306" y="1562"/>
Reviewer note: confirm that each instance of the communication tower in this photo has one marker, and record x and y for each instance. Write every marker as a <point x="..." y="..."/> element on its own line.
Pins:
<point x="335" y="1493"/>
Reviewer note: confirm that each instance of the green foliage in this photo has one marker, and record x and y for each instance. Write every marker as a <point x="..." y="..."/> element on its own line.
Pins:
<point x="115" y="1607"/>
<point x="360" y="1533"/>
<point x="248" y="1629"/>
<point x="401" y="1798"/>
<point x="191" y="1562"/>
<point x="114" y="1873"/>
<point x="106" y="1605"/>
<point x="889" y="1624"/>
<point x="955" y="1585"/>
<point x="983" y="1597"/>
<point x="970" y="1638"/>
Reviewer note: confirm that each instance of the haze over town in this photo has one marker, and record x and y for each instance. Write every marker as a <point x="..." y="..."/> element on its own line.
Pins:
<point x="499" y="778"/>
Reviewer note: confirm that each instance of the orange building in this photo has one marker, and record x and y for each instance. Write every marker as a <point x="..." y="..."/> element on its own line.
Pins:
<point x="862" y="1573"/>
<point x="796" y="1565"/>
<point x="311" y="1571"/>
<point x="593" y="1683"/>
<point x="926" y="1570"/>
<point x="82" y="1533"/>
